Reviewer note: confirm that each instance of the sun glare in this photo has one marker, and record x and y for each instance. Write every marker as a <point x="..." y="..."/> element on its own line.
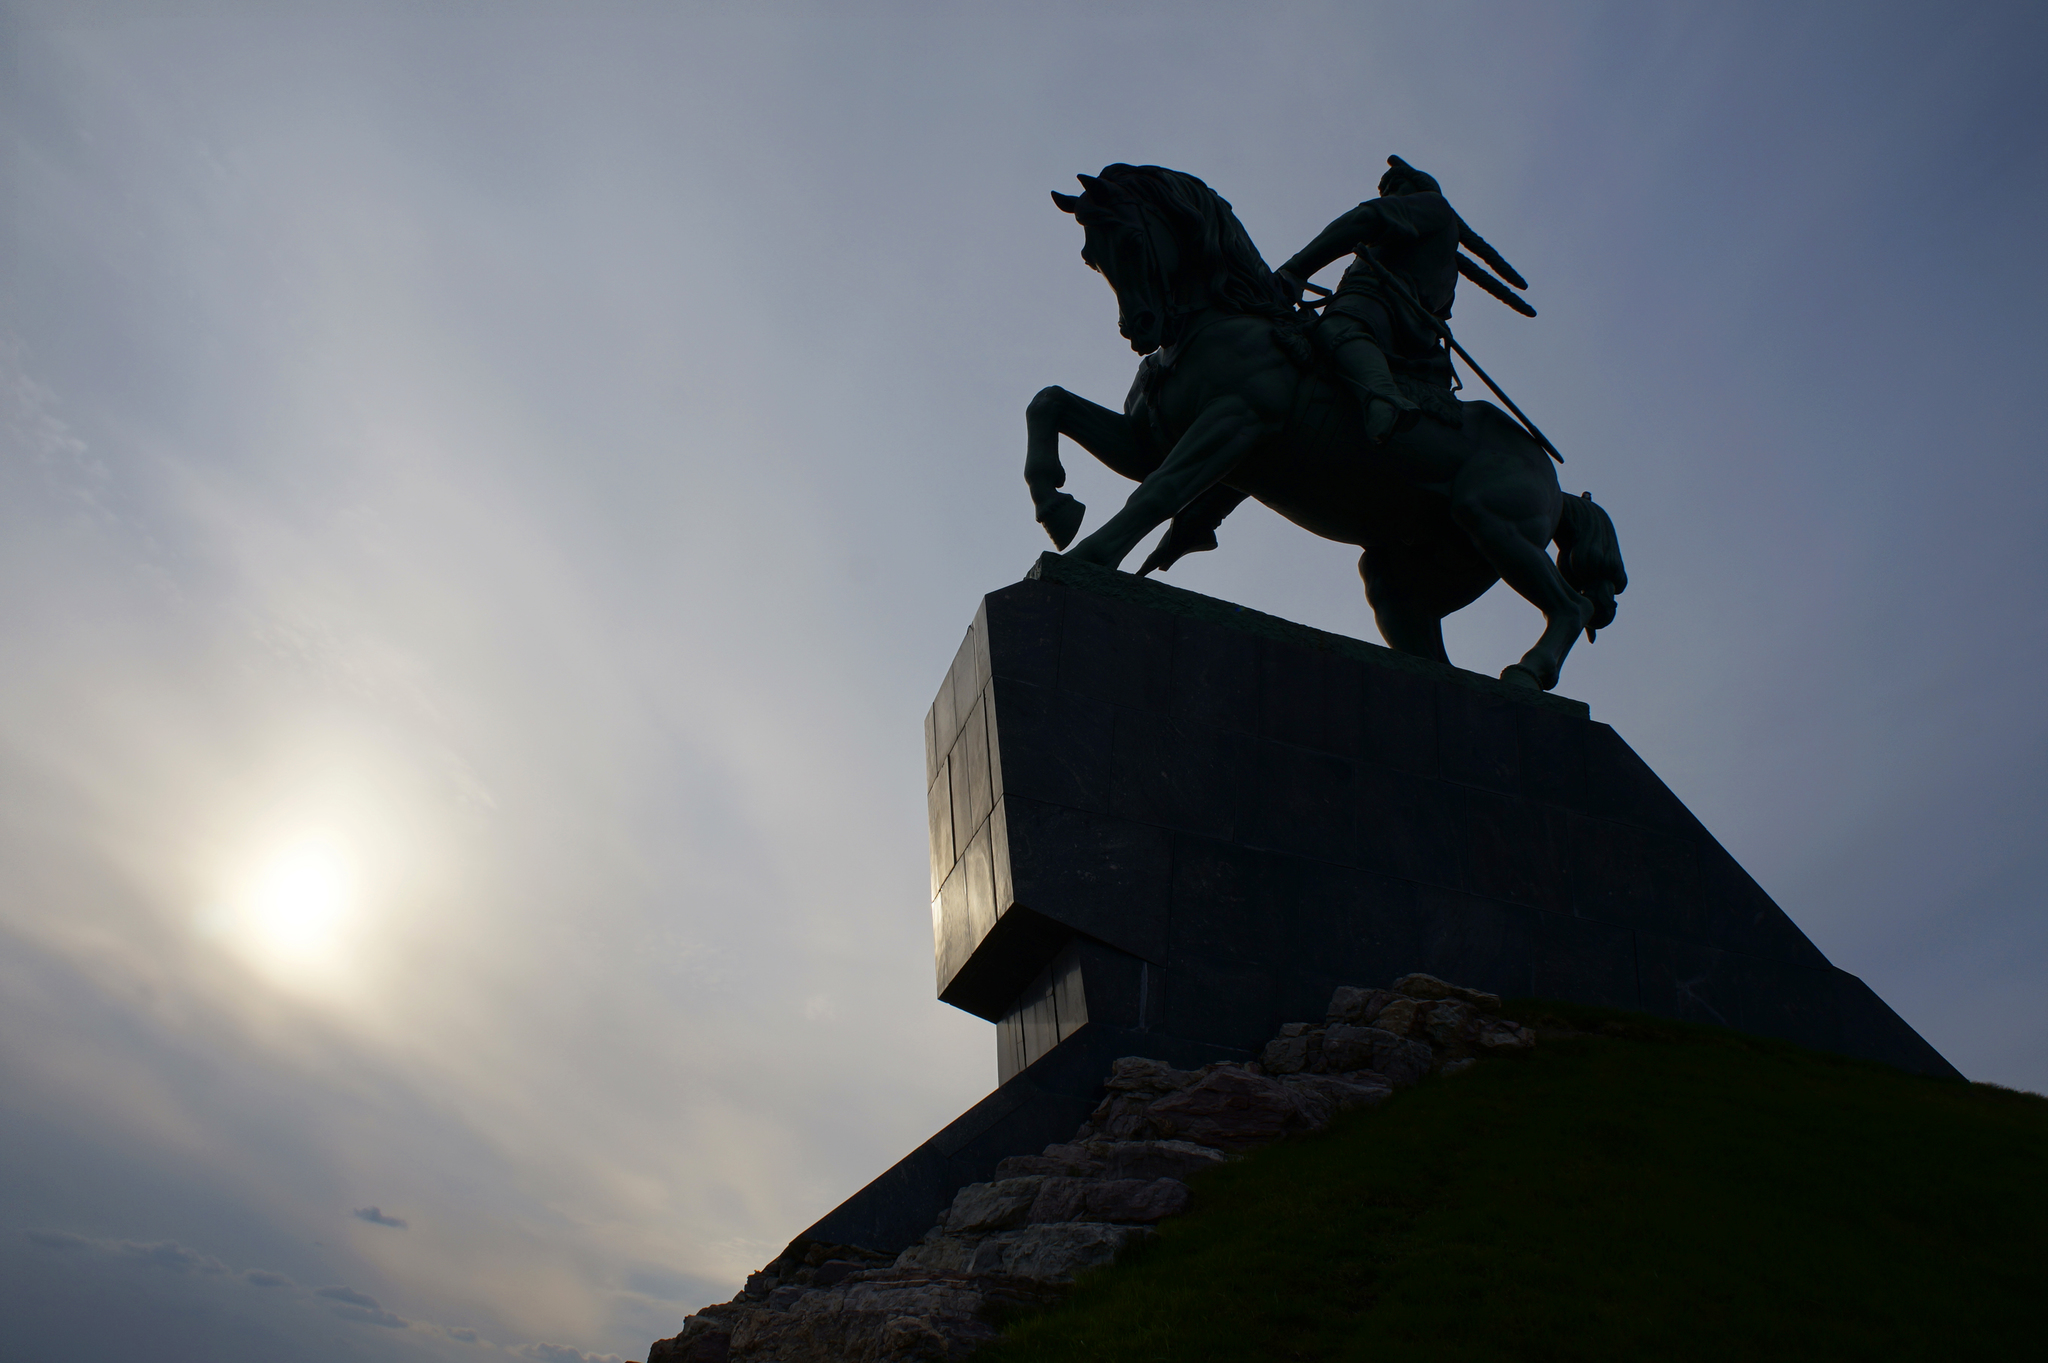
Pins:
<point x="296" y="906"/>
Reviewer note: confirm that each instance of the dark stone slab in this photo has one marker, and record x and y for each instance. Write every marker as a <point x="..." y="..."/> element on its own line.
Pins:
<point x="1233" y="813"/>
<point x="1476" y="941"/>
<point x="1377" y="930"/>
<point x="1634" y="876"/>
<point x="1397" y="721"/>
<point x="1871" y="1029"/>
<point x="987" y="980"/>
<point x="1254" y="905"/>
<point x="1513" y="849"/>
<point x="1584" y="961"/>
<point x="1115" y="651"/>
<point x="1178" y="774"/>
<point x="939" y="820"/>
<point x="1215" y="679"/>
<point x="1023" y="630"/>
<point x="968" y="768"/>
<point x="1620" y="785"/>
<point x="1100" y="875"/>
<point x="1051" y="745"/>
<point x="1476" y="739"/>
<point x="1553" y="757"/>
<point x="1215" y="1000"/>
<point x="1114" y="985"/>
<point x="1407" y="826"/>
<point x="1309" y="697"/>
<point x="1740" y="914"/>
<point x="1301" y="800"/>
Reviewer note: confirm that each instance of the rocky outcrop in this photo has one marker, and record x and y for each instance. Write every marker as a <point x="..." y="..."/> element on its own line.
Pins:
<point x="1018" y="1240"/>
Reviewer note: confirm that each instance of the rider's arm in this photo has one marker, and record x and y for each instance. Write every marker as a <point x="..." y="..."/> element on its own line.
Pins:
<point x="1340" y="238"/>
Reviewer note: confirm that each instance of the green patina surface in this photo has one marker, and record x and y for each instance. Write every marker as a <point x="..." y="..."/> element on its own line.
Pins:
<point x="1648" y="1190"/>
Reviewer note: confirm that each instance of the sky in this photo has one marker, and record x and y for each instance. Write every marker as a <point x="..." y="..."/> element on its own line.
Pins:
<point x="489" y="488"/>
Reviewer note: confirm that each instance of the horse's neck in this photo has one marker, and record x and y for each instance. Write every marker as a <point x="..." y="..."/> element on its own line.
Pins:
<point x="1187" y="325"/>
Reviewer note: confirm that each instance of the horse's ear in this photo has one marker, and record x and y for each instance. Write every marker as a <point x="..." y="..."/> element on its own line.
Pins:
<point x="1069" y="203"/>
<point x="1088" y="182"/>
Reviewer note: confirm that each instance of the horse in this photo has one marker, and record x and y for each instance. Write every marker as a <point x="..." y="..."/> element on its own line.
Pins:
<point x="1230" y="402"/>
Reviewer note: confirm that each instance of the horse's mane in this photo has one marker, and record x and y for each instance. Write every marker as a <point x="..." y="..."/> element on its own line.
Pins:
<point x="1211" y="237"/>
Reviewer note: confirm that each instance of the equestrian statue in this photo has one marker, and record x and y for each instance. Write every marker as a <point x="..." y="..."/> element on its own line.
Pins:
<point x="1347" y="424"/>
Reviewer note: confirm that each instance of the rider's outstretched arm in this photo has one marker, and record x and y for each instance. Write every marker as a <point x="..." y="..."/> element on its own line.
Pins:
<point x="1363" y="223"/>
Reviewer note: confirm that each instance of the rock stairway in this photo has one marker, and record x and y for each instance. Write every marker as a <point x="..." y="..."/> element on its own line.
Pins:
<point x="1018" y="1241"/>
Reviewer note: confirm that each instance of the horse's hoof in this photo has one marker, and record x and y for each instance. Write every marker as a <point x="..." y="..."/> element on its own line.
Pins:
<point x="1518" y="675"/>
<point x="1062" y="519"/>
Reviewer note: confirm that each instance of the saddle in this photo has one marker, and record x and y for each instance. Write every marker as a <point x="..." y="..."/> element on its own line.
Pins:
<point x="1302" y="340"/>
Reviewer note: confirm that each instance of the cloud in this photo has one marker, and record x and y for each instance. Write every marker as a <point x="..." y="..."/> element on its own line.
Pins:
<point x="376" y="1217"/>
<point x="463" y="1333"/>
<point x="263" y="1277"/>
<point x="169" y="1254"/>
<point x="165" y="1254"/>
<point x="349" y="1295"/>
<point x="361" y="1306"/>
<point x="562" y="1353"/>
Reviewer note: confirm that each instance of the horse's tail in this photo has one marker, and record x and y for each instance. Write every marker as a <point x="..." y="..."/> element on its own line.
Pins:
<point x="1589" y="556"/>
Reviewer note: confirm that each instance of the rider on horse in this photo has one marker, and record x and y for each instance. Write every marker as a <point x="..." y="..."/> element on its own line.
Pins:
<point x="1413" y="233"/>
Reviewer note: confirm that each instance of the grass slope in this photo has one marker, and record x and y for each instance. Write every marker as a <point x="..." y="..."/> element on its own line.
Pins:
<point x="1651" y="1191"/>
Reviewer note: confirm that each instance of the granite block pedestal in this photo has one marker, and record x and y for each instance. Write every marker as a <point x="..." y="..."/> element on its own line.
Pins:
<point x="1162" y="824"/>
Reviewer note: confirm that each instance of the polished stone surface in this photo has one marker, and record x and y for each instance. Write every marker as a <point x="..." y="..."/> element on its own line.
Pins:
<point x="1233" y="814"/>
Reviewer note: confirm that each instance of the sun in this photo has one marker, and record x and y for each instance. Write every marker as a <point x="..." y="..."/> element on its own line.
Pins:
<point x="296" y="906"/>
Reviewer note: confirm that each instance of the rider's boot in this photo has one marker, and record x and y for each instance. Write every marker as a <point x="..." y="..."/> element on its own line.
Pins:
<point x="1387" y="410"/>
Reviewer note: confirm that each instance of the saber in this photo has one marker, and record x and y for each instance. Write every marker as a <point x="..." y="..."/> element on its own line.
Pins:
<point x="1387" y="277"/>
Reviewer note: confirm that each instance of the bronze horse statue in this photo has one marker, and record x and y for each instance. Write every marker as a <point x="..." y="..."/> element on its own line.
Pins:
<point x="1230" y="402"/>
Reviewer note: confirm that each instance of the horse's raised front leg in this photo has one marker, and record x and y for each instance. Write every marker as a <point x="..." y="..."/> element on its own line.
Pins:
<point x="1227" y="431"/>
<point x="1109" y="436"/>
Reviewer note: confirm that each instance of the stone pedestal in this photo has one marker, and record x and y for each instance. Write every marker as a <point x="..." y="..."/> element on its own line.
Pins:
<point x="1160" y="811"/>
<point x="1162" y="824"/>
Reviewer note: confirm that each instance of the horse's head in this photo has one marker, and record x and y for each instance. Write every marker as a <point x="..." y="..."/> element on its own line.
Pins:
<point x="1169" y="246"/>
<point x="1135" y="254"/>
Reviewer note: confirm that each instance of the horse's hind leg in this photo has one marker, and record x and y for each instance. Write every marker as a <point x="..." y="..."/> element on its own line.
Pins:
<point x="1412" y="587"/>
<point x="1511" y="529"/>
<point x="1109" y="436"/>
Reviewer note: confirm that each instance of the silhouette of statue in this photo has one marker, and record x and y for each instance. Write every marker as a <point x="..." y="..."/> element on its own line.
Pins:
<point x="1243" y="394"/>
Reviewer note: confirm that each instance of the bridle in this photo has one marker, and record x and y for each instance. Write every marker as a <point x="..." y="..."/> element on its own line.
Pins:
<point x="1170" y="309"/>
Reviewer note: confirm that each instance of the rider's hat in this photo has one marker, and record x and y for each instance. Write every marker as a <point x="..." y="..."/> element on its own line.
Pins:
<point x="1401" y="175"/>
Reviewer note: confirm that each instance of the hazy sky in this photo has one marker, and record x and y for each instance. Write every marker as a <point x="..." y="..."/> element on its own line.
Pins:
<point x="491" y="488"/>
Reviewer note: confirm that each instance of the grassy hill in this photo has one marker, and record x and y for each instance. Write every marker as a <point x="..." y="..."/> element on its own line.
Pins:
<point x="1640" y="1190"/>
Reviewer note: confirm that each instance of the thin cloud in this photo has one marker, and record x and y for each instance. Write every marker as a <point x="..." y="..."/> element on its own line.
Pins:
<point x="169" y="1254"/>
<point x="164" y="1254"/>
<point x="376" y="1217"/>
<point x="562" y="1353"/>
<point x="349" y="1295"/>
<point x="263" y="1277"/>
<point x="361" y="1306"/>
